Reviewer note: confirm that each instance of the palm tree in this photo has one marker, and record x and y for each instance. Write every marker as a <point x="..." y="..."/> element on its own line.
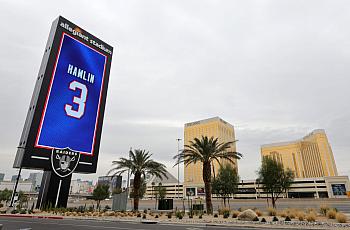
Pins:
<point x="206" y="151"/>
<point x="139" y="164"/>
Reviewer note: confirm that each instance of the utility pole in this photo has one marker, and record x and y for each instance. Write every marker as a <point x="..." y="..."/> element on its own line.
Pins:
<point x="178" y="168"/>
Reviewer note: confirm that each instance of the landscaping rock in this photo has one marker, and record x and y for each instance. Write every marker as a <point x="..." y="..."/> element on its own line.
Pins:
<point x="247" y="215"/>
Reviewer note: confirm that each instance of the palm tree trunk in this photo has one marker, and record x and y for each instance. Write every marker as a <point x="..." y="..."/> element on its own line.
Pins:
<point x="137" y="185"/>
<point x="207" y="185"/>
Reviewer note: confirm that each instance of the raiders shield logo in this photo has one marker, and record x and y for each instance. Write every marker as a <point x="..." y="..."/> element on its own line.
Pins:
<point x="64" y="161"/>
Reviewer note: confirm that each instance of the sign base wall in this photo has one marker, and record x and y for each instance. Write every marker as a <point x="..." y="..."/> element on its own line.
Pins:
<point x="54" y="191"/>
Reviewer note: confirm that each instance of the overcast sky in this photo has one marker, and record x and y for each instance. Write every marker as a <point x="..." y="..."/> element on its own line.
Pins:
<point x="276" y="70"/>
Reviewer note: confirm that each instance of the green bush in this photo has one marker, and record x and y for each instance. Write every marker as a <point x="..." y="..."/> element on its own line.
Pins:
<point x="14" y="211"/>
<point x="178" y="214"/>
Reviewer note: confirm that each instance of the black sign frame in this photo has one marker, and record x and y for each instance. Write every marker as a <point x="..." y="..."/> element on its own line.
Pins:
<point x="30" y="157"/>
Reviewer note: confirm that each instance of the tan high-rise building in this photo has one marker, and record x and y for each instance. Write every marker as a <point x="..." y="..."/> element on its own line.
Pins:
<point x="212" y="127"/>
<point x="311" y="156"/>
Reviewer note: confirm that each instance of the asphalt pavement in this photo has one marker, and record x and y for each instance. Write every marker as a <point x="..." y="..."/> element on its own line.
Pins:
<point x="12" y="223"/>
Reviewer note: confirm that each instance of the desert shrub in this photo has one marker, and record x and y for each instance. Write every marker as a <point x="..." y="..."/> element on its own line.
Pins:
<point x="235" y="214"/>
<point x="226" y="211"/>
<point x="275" y="218"/>
<point x="271" y="211"/>
<point x="178" y="214"/>
<point x="156" y="216"/>
<point x="226" y="215"/>
<point x="14" y="211"/>
<point x="263" y="220"/>
<point x="256" y="219"/>
<point x="22" y="211"/>
<point x="311" y="217"/>
<point x="258" y="212"/>
<point x="283" y="214"/>
<point x="222" y="211"/>
<point x="292" y="213"/>
<point x="301" y="216"/>
<point x="331" y="214"/>
<point x="145" y="211"/>
<point x="324" y="209"/>
<point x="287" y="219"/>
<point x="341" y="218"/>
<point x="144" y="216"/>
<point x="310" y="210"/>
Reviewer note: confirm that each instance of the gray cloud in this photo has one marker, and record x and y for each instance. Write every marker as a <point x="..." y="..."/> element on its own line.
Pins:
<point x="275" y="69"/>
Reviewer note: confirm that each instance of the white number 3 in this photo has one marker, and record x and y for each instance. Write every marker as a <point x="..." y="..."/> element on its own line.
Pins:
<point x="80" y="101"/>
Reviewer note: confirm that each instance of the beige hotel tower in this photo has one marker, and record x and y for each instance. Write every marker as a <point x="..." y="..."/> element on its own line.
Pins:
<point x="212" y="127"/>
<point x="308" y="157"/>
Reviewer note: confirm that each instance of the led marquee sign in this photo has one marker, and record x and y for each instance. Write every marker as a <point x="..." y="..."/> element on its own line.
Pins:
<point x="67" y="107"/>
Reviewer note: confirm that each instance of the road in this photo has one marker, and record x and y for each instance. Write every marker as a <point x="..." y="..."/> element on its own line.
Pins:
<point x="11" y="223"/>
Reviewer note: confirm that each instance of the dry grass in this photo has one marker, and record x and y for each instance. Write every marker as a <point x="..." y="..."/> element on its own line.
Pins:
<point x="292" y="213"/>
<point x="301" y="216"/>
<point x="310" y="210"/>
<point x="282" y="214"/>
<point x="271" y="211"/>
<point x="311" y="217"/>
<point x="235" y="214"/>
<point x="331" y="214"/>
<point x="341" y="218"/>
<point x="258" y="212"/>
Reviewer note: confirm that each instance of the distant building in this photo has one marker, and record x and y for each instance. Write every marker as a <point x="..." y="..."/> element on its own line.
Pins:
<point x="113" y="181"/>
<point x="36" y="178"/>
<point x="24" y="186"/>
<point x="174" y="189"/>
<point x="2" y="176"/>
<point x="318" y="187"/>
<point x="308" y="157"/>
<point x="14" y="178"/>
<point x="212" y="127"/>
<point x="81" y="187"/>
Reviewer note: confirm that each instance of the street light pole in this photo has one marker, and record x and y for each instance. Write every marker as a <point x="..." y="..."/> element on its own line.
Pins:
<point x="128" y="181"/>
<point x="178" y="168"/>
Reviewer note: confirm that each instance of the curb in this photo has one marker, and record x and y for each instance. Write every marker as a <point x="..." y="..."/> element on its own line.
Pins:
<point x="32" y="216"/>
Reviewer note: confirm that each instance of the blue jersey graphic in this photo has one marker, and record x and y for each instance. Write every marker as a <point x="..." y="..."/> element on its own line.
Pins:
<point x="71" y="111"/>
